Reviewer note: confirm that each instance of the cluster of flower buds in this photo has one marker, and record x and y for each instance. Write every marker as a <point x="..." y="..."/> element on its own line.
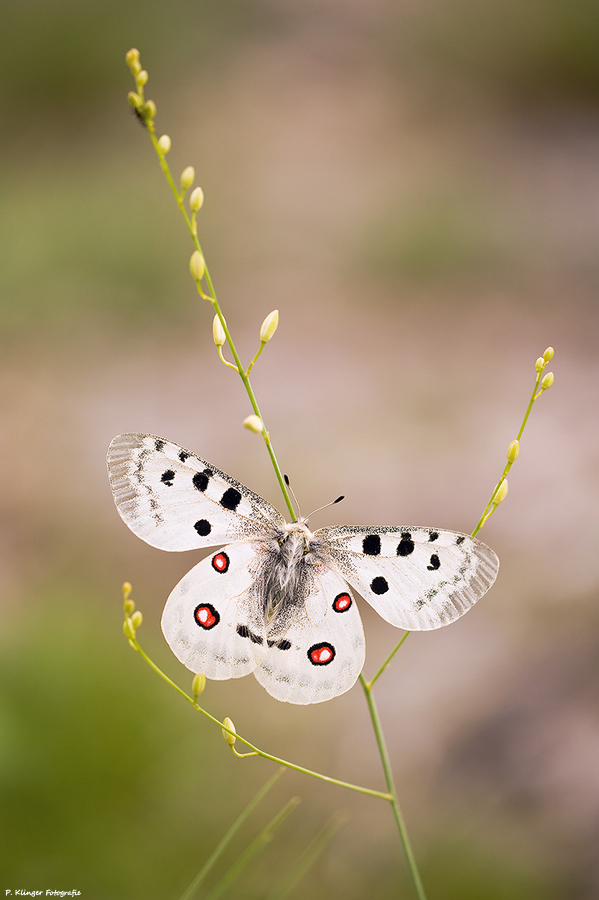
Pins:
<point x="540" y="364"/>
<point x="513" y="450"/>
<point x="145" y="110"/>
<point x="133" y="617"/>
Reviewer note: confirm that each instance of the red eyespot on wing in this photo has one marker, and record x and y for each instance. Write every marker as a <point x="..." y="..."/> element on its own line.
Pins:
<point x="206" y="616"/>
<point x="321" y="654"/>
<point x="342" y="602"/>
<point x="220" y="562"/>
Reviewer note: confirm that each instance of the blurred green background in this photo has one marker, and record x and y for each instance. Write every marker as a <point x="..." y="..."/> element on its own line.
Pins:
<point x="416" y="188"/>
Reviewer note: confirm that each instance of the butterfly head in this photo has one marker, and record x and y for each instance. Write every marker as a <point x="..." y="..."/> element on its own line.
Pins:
<point x="296" y="532"/>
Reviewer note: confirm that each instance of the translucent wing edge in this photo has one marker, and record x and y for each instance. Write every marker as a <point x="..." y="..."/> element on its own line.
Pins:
<point x="454" y="602"/>
<point x="123" y="463"/>
<point x="130" y="441"/>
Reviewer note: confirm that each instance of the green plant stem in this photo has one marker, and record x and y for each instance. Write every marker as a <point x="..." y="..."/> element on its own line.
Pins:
<point x="243" y="373"/>
<point x="489" y="510"/>
<point x="401" y="825"/>
<point x="282" y="762"/>
<point x="221" y="847"/>
<point x="315" y="849"/>
<point x="370" y="683"/>
<point x="214" y="300"/>
<point x="258" y="844"/>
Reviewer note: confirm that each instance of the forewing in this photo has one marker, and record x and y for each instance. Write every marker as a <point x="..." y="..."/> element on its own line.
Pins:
<point x="416" y="578"/>
<point x="175" y="500"/>
<point x="213" y="620"/>
<point x="315" y="648"/>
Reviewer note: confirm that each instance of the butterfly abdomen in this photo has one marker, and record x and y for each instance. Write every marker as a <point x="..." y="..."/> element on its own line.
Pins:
<point x="285" y="571"/>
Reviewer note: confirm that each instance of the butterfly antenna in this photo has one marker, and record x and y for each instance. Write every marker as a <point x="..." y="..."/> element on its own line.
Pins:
<point x="326" y="506"/>
<point x="295" y="500"/>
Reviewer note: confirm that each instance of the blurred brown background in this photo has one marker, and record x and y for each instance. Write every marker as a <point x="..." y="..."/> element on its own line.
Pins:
<point x="416" y="187"/>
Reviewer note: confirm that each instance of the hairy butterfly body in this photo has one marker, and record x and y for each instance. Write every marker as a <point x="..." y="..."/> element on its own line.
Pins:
<point x="275" y="599"/>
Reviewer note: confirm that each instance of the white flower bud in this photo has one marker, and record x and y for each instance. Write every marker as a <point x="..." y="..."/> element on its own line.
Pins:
<point x="133" y="62"/>
<point x="197" y="267"/>
<point x="513" y="450"/>
<point x="198" y="684"/>
<point x="196" y="199"/>
<point x="230" y="738"/>
<point x="128" y="604"/>
<point x="548" y="354"/>
<point x="254" y="423"/>
<point x="187" y="177"/>
<point x="148" y="110"/>
<point x="547" y="381"/>
<point x="501" y="493"/>
<point x="218" y="332"/>
<point x="269" y="326"/>
<point x="164" y="143"/>
<point x="540" y="364"/>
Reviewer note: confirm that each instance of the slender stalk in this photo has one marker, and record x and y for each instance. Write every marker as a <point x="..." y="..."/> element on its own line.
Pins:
<point x="258" y="844"/>
<point x="221" y="847"/>
<point x="370" y="683"/>
<point x="256" y="751"/>
<point x="490" y="507"/>
<point x="214" y="300"/>
<point x="243" y="373"/>
<point x="399" y="819"/>
<point x="316" y="847"/>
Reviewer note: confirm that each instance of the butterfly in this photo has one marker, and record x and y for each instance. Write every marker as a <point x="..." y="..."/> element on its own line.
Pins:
<point x="276" y="600"/>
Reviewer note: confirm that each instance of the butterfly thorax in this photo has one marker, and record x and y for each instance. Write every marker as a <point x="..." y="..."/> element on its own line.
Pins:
<point x="286" y="573"/>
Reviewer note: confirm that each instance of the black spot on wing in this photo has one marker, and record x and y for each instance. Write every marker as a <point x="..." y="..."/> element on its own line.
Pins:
<point x="433" y="535"/>
<point x="379" y="585"/>
<point x="371" y="545"/>
<point x="168" y="477"/>
<point x="406" y="545"/>
<point x="200" y="480"/>
<point x="203" y="527"/>
<point x="159" y="445"/>
<point x="434" y="563"/>
<point x="460" y="539"/>
<point x="244" y="632"/>
<point x="230" y="499"/>
<point x="184" y="455"/>
<point x="283" y="644"/>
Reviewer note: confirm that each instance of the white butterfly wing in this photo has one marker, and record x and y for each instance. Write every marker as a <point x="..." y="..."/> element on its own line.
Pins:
<point x="175" y="500"/>
<point x="415" y="578"/>
<point x="213" y="620"/>
<point x="315" y="648"/>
